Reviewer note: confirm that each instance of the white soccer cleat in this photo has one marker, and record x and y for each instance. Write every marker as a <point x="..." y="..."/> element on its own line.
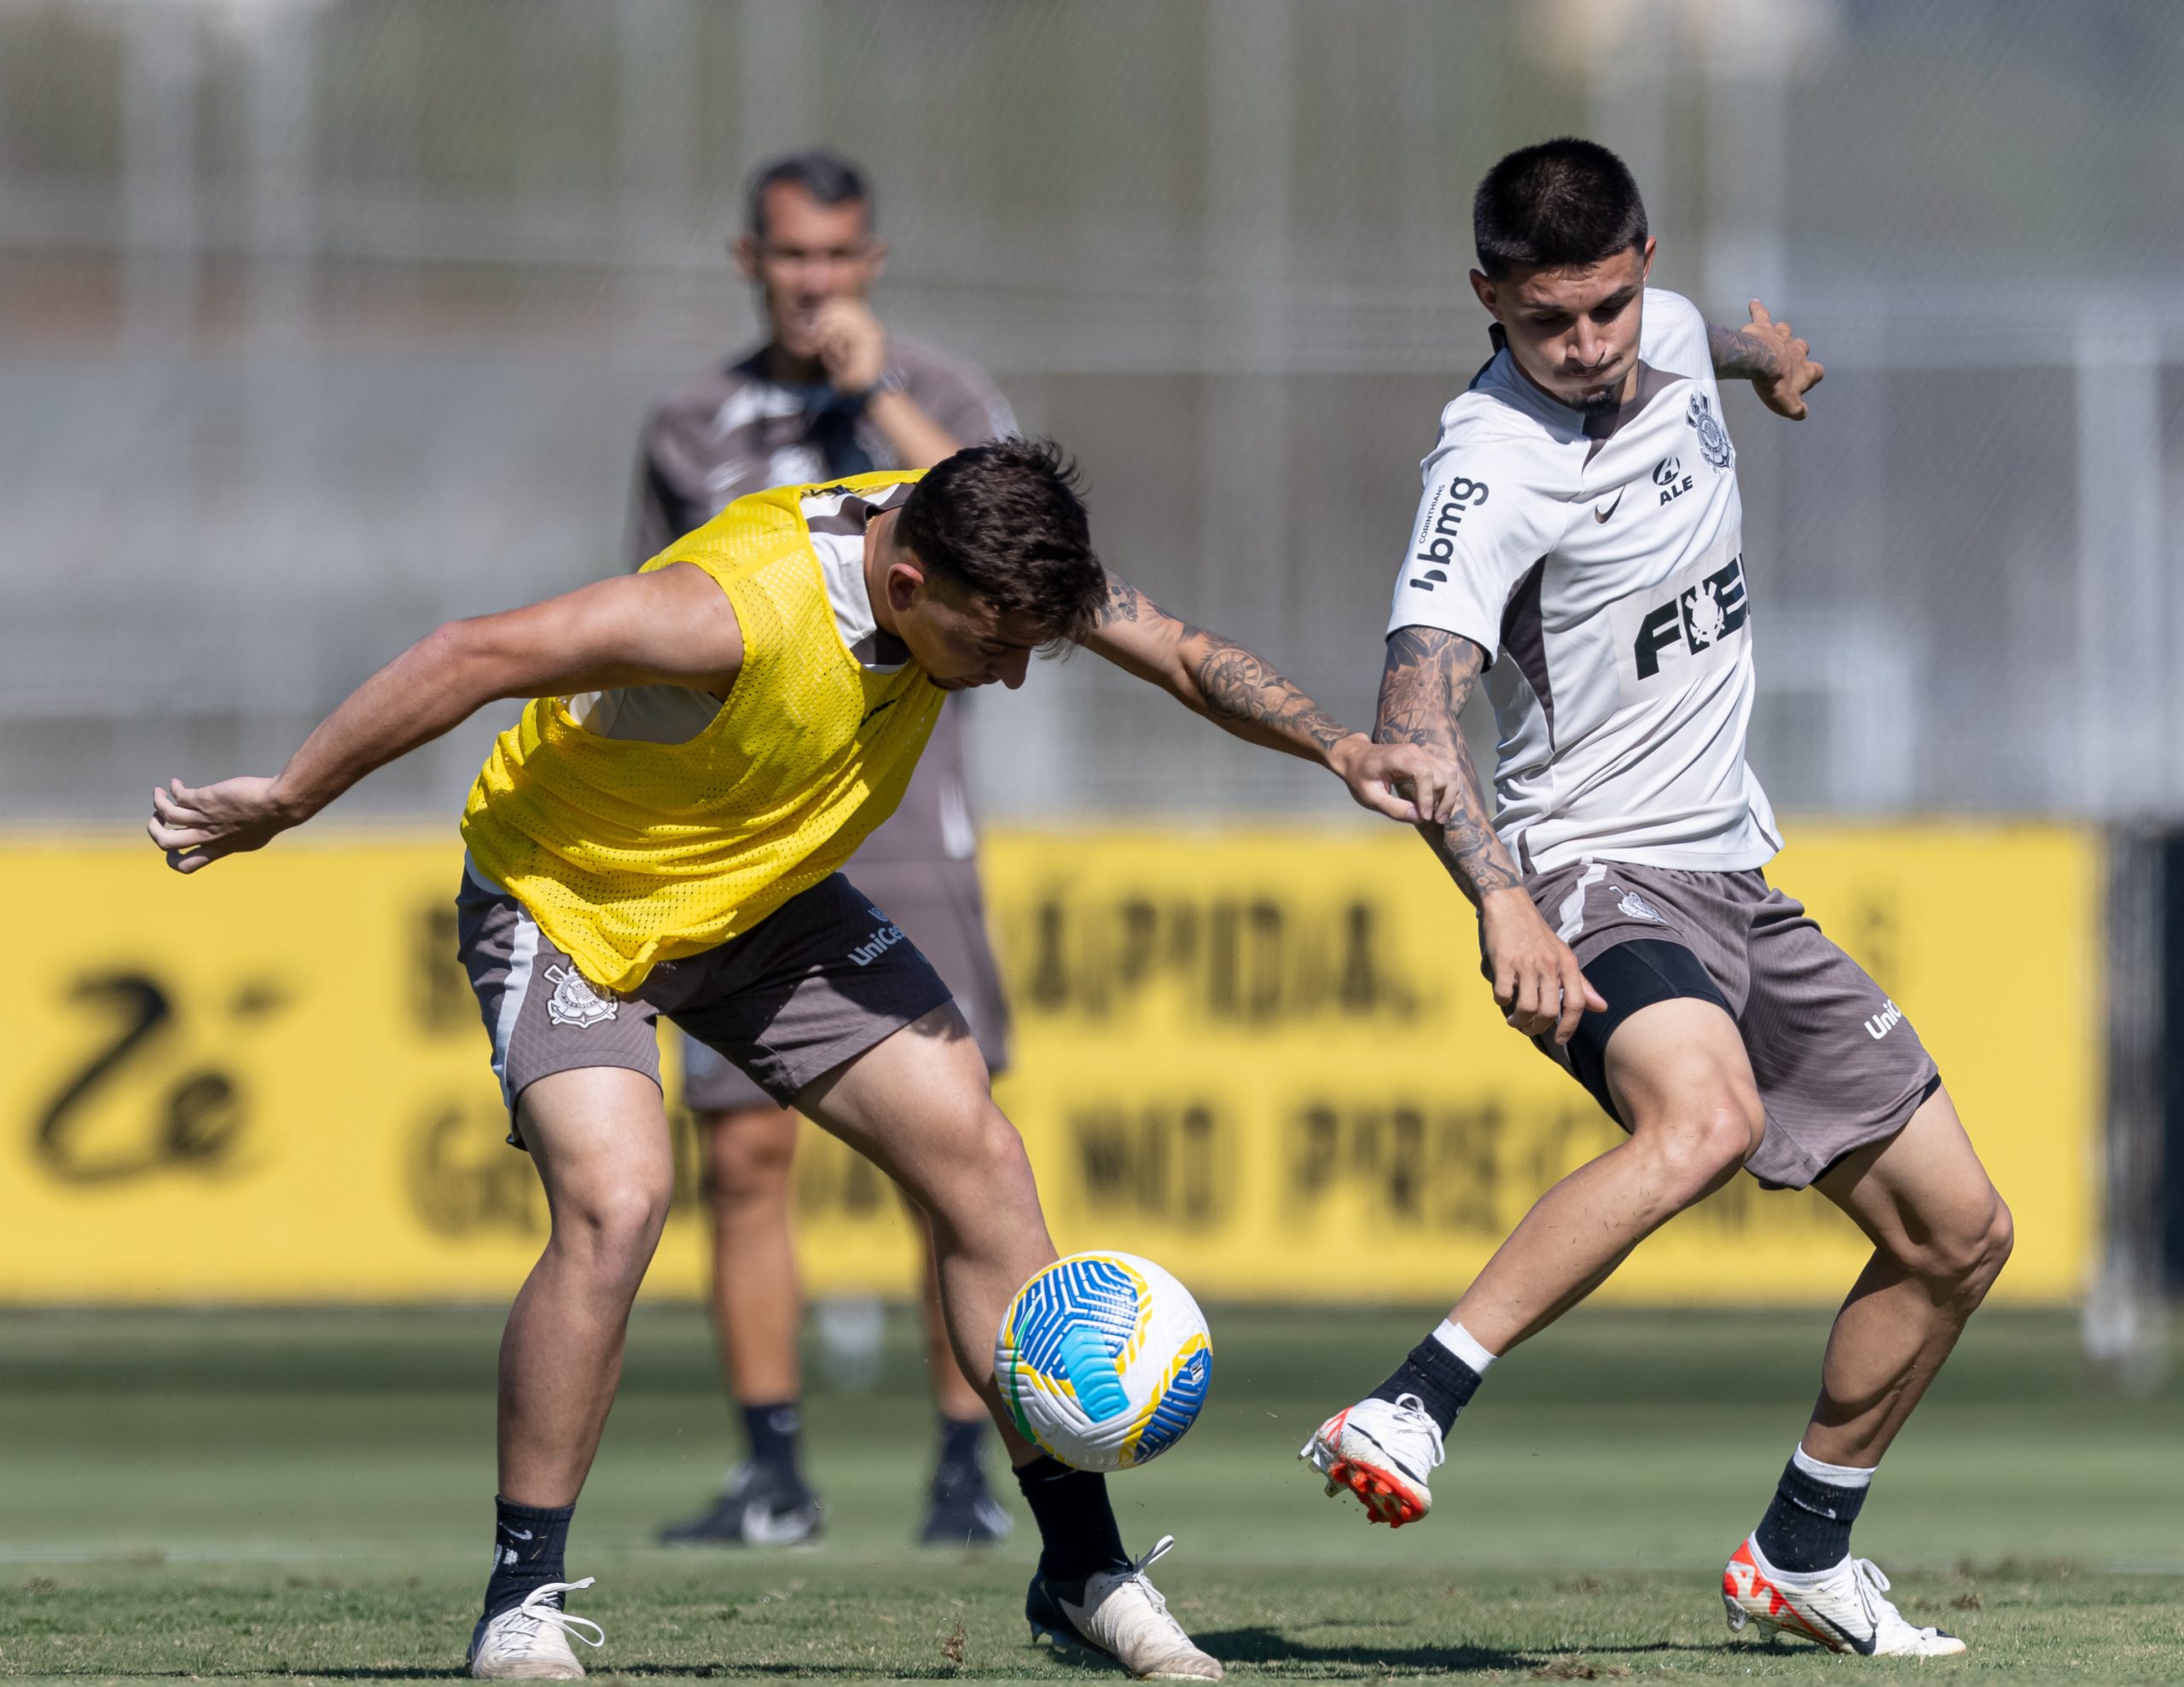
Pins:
<point x="529" y="1642"/>
<point x="1842" y="1608"/>
<point x="1121" y="1614"/>
<point x="1382" y="1452"/>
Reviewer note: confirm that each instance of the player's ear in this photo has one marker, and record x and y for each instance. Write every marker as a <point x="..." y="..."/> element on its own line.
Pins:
<point x="745" y="250"/>
<point x="1646" y="262"/>
<point x="905" y="584"/>
<point x="1483" y="287"/>
<point x="875" y="259"/>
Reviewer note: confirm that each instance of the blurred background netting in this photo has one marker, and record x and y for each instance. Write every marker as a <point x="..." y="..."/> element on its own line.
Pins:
<point x="324" y="323"/>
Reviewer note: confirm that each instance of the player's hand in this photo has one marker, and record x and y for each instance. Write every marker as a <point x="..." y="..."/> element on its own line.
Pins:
<point x="1402" y="782"/>
<point x="1538" y="982"/>
<point x="1795" y="373"/>
<point x="852" y="345"/>
<point x="196" y="827"/>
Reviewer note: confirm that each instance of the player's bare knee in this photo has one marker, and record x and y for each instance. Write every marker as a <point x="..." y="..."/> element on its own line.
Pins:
<point x="615" y="1228"/>
<point x="748" y="1170"/>
<point x="987" y="1172"/>
<point x="1003" y="1166"/>
<point x="1700" y="1150"/>
<point x="1963" y="1254"/>
<point x="2001" y="1234"/>
<point x="1983" y="1262"/>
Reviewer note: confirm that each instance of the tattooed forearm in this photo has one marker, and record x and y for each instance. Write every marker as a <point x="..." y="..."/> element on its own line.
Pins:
<point x="1211" y="676"/>
<point x="1122" y="604"/>
<point x="1428" y="678"/>
<point x="1238" y="684"/>
<point x="1740" y="354"/>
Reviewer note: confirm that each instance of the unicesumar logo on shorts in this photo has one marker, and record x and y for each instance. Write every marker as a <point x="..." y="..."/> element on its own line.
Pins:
<point x="879" y="943"/>
<point x="574" y="1002"/>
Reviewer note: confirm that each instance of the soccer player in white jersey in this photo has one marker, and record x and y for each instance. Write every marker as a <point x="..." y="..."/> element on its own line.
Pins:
<point x="1579" y="543"/>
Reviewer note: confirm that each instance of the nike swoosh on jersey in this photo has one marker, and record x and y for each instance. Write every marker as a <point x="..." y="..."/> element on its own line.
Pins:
<point x="1602" y="515"/>
<point x="880" y="709"/>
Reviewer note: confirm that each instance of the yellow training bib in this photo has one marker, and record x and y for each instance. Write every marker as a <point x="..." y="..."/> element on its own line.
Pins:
<point x="629" y="853"/>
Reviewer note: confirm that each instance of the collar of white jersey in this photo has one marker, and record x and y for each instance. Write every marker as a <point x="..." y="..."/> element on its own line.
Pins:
<point x="1505" y="380"/>
<point x="838" y="519"/>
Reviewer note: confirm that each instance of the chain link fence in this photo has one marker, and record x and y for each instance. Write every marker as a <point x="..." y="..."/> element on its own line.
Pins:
<point x="326" y="320"/>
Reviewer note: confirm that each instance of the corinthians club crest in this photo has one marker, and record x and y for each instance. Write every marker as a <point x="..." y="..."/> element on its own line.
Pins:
<point x="1713" y="438"/>
<point x="574" y="1002"/>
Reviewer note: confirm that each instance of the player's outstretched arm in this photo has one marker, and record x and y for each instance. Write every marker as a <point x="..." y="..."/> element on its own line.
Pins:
<point x="670" y="626"/>
<point x="1779" y="365"/>
<point x="1240" y="692"/>
<point x="1428" y="678"/>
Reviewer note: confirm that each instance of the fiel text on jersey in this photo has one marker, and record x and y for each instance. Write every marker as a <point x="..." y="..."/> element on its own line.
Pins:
<point x="1436" y="545"/>
<point x="1696" y="619"/>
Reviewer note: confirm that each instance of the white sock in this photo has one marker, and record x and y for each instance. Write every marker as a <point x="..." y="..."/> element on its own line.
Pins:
<point x="1464" y="1345"/>
<point x="1835" y="1476"/>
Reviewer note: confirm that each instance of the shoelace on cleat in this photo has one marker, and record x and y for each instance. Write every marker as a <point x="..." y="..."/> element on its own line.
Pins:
<point x="1411" y="1406"/>
<point x="1873" y="1583"/>
<point x="538" y="1614"/>
<point x="1138" y="1567"/>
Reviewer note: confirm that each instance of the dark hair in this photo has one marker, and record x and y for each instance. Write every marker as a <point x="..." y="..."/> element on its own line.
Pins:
<point x="1004" y="522"/>
<point x="828" y="177"/>
<point x="1562" y="202"/>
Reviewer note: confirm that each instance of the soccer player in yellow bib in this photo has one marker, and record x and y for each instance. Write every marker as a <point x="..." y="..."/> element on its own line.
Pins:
<point x="708" y="741"/>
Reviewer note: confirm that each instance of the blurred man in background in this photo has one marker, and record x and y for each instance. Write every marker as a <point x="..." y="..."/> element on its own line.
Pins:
<point x="830" y="393"/>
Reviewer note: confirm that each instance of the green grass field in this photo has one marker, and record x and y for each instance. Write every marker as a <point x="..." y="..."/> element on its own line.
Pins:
<point x="235" y="1495"/>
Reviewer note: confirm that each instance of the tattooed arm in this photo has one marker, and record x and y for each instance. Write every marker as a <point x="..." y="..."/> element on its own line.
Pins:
<point x="1779" y="365"/>
<point x="1428" y="678"/>
<point x="1240" y="692"/>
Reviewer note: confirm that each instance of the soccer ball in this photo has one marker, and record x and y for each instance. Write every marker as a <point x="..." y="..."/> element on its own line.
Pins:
<point x="1103" y="1360"/>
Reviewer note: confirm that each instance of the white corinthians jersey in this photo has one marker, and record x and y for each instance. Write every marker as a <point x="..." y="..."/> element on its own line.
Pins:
<point x="1599" y="561"/>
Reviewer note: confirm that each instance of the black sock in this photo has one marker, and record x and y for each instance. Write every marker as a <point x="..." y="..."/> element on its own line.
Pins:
<point x="772" y="1432"/>
<point x="1436" y="1377"/>
<point x="961" y="1441"/>
<point x="1079" y="1535"/>
<point x="528" y="1542"/>
<point x="1808" y="1526"/>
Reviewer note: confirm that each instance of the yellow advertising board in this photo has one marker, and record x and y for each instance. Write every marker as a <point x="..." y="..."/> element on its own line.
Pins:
<point x="1263" y="1056"/>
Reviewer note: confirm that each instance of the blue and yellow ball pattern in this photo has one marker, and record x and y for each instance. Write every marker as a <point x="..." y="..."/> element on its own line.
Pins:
<point x="1104" y="1360"/>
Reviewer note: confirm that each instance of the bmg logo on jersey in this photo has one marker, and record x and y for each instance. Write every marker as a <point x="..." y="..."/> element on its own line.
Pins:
<point x="1697" y="619"/>
<point x="1437" y="529"/>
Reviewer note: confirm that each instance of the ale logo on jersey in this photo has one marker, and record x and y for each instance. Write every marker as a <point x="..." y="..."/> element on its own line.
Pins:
<point x="1669" y="476"/>
<point x="1695" y="620"/>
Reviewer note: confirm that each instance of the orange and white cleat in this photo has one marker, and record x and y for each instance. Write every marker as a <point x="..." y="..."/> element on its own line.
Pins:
<point x="1841" y="1608"/>
<point x="1382" y="1452"/>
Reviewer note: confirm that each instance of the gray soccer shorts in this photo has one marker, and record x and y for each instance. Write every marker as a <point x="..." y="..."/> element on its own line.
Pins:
<point x="1839" y="1066"/>
<point x="941" y="908"/>
<point x="820" y="980"/>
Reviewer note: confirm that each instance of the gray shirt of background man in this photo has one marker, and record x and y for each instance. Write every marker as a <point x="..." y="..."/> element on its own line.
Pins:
<point x="733" y="430"/>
